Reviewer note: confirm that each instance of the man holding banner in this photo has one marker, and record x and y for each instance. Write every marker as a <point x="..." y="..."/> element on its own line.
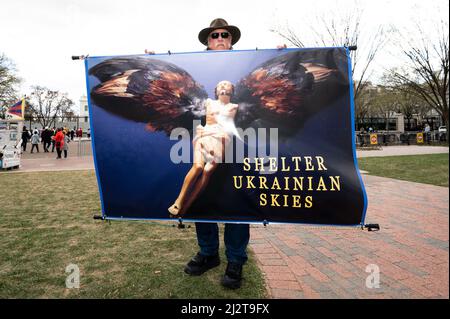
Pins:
<point x="220" y="36"/>
<point x="295" y="162"/>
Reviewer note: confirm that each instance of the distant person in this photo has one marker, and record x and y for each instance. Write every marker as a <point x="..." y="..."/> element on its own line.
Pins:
<point x="35" y="141"/>
<point x="72" y="133"/>
<point x="43" y="136"/>
<point x="385" y="139"/>
<point x="59" y="142"/>
<point x="47" y="138"/>
<point x="361" y="136"/>
<point x="25" y="137"/>
<point x="427" y="132"/>
<point x="52" y="136"/>
<point x="89" y="133"/>
<point x="65" y="147"/>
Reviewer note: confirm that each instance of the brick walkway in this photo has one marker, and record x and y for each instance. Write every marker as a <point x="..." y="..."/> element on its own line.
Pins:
<point x="411" y="249"/>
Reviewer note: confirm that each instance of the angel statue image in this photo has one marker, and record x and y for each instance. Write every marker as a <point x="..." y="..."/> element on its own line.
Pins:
<point x="282" y="92"/>
<point x="209" y="146"/>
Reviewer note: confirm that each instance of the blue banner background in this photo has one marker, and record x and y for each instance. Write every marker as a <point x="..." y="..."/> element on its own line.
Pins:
<point x="137" y="179"/>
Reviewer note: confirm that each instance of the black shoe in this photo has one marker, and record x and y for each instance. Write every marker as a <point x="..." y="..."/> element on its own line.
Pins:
<point x="200" y="264"/>
<point x="233" y="276"/>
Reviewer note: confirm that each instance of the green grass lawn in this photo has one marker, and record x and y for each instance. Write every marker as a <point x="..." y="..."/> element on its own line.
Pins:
<point x="427" y="169"/>
<point x="46" y="224"/>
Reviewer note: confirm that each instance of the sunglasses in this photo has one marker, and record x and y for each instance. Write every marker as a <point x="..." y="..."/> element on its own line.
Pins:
<point x="215" y="35"/>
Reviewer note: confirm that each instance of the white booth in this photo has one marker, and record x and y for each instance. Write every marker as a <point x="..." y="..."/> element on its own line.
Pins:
<point x="10" y="144"/>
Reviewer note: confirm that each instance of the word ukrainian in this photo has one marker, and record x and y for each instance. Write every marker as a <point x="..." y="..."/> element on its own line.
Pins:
<point x="272" y="186"/>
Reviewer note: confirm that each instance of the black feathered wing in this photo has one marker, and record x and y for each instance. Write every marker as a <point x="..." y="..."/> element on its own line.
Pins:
<point x="284" y="91"/>
<point x="155" y="92"/>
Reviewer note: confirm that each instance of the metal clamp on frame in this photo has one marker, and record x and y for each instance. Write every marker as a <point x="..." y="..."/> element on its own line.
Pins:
<point x="371" y="227"/>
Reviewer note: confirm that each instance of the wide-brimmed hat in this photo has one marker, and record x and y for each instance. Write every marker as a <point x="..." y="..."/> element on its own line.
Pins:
<point x="220" y="24"/>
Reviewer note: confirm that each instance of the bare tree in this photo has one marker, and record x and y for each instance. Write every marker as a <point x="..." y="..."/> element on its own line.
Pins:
<point x="427" y="73"/>
<point x="68" y="115"/>
<point x="335" y="28"/>
<point x="410" y="104"/>
<point x="45" y="105"/>
<point x="385" y="103"/>
<point x="8" y="84"/>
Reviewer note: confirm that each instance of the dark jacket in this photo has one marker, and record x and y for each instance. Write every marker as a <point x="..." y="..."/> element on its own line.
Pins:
<point x="46" y="136"/>
<point x="25" y="136"/>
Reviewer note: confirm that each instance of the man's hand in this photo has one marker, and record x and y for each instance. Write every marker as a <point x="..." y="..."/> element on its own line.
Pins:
<point x="281" y="46"/>
<point x="149" y="52"/>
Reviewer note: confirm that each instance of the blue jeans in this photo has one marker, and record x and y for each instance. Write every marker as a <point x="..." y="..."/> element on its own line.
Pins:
<point x="236" y="239"/>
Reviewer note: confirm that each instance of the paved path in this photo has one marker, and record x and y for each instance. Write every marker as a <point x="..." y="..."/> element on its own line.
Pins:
<point x="50" y="163"/>
<point x="402" y="150"/>
<point x="411" y="249"/>
<point x="42" y="161"/>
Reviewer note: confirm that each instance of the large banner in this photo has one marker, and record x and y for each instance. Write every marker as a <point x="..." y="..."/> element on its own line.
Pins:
<point x="233" y="136"/>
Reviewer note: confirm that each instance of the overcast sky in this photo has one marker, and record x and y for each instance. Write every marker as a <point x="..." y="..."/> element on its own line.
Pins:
<point x="41" y="36"/>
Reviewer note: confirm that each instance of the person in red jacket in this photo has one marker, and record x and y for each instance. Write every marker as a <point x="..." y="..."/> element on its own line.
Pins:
<point x="59" y="141"/>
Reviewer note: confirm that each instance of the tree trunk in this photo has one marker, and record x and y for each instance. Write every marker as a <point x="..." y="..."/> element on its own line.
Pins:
<point x="446" y="126"/>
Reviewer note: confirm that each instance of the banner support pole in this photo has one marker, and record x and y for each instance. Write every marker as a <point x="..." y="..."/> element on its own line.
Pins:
<point x="80" y="57"/>
<point x="181" y="225"/>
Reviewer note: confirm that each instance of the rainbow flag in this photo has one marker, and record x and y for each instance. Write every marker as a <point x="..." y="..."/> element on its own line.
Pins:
<point x="17" y="111"/>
